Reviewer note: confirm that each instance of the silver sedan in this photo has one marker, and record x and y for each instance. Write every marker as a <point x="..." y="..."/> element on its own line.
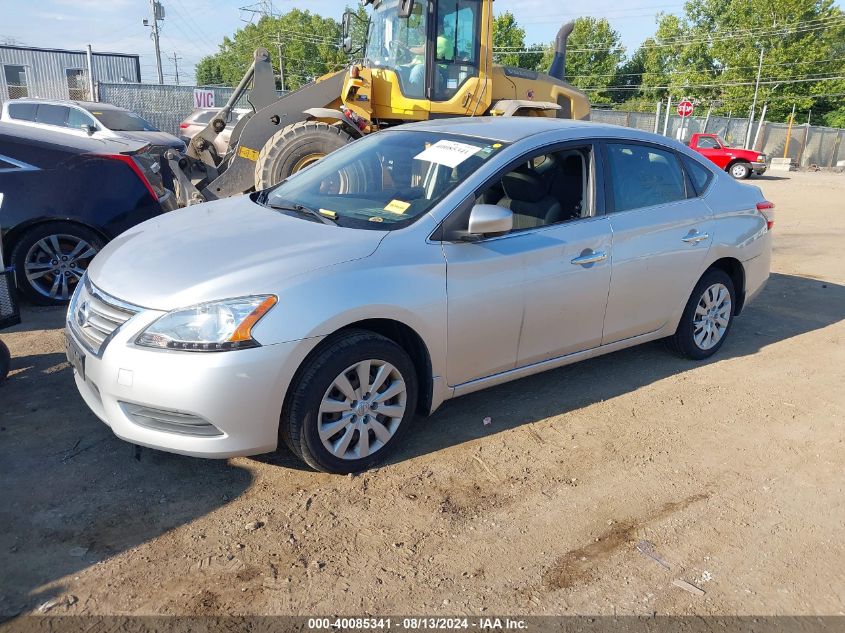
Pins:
<point x="412" y="266"/>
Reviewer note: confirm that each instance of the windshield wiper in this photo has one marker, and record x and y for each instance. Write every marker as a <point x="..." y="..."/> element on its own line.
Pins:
<point x="299" y="208"/>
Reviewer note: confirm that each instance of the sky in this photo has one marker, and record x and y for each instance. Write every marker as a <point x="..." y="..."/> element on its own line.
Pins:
<point x="194" y="28"/>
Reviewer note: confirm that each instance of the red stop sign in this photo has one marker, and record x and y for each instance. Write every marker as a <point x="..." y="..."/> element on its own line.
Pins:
<point x="685" y="108"/>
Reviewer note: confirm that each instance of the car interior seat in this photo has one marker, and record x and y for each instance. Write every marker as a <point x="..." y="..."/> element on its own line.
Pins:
<point x="527" y="196"/>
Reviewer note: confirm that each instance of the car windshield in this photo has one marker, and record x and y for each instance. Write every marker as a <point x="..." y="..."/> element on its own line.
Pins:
<point x="395" y="41"/>
<point x="123" y="121"/>
<point x="722" y="141"/>
<point x="384" y="181"/>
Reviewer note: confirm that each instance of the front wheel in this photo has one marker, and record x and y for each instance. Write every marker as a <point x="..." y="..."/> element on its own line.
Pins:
<point x="707" y="318"/>
<point x="296" y="147"/>
<point x="51" y="258"/>
<point x="351" y="403"/>
<point x="740" y="171"/>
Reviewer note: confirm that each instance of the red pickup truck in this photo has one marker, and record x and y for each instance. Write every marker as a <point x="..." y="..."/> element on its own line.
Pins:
<point x="739" y="163"/>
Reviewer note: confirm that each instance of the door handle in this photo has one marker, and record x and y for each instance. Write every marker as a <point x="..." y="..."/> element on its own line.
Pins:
<point x="590" y="258"/>
<point x="694" y="237"/>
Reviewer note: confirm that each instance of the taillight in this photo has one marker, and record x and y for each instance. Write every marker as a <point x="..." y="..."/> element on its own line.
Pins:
<point x="767" y="210"/>
<point x="184" y="126"/>
<point x="128" y="160"/>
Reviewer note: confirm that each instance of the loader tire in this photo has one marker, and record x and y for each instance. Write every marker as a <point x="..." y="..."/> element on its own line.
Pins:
<point x="295" y="147"/>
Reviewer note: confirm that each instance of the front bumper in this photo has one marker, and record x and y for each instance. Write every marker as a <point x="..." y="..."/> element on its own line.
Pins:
<point x="240" y="392"/>
<point x="758" y="168"/>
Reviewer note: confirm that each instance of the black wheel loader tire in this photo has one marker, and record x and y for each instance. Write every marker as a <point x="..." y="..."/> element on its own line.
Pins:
<point x="294" y="147"/>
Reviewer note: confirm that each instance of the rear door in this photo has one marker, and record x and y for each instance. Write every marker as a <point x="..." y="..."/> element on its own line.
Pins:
<point x="661" y="236"/>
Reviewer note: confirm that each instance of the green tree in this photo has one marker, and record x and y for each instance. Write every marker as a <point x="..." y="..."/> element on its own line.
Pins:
<point x="509" y="48"/>
<point x="309" y="44"/>
<point x="594" y="53"/>
<point x="712" y="53"/>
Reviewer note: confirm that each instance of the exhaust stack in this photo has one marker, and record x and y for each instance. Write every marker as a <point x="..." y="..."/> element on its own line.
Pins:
<point x="558" y="67"/>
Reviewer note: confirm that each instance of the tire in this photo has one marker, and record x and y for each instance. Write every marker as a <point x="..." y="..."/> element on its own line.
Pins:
<point x="691" y="339"/>
<point x="5" y="362"/>
<point x="740" y="171"/>
<point x="294" y="147"/>
<point x="47" y="281"/>
<point x="315" y="388"/>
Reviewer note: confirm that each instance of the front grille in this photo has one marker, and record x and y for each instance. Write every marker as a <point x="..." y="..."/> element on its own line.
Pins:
<point x="9" y="313"/>
<point x="94" y="316"/>
<point x="169" y="421"/>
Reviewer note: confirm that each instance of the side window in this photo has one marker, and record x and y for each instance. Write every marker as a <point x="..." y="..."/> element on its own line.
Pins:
<point x="644" y="176"/>
<point x="23" y="111"/>
<point x="51" y="114"/>
<point x="16" y="81"/>
<point x="546" y="189"/>
<point x="699" y="174"/>
<point x="77" y="119"/>
<point x="456" y="46"/>
<point x="76" y="88"/>
<point x="707" y="142"/>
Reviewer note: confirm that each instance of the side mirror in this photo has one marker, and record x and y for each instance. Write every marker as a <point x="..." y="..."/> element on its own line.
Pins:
<point x="346" y="38"/>
<point x="89" y="128"/>
<point x="490" y="219"/>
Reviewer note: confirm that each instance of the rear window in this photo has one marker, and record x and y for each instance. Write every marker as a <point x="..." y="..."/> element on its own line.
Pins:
<point x="699" y="174"/>
<point x="22" y="111"/>
<point x="122" y="121"/>
<point x="51" y="114"/>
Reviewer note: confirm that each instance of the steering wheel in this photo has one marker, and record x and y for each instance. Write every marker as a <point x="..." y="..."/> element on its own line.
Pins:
<point x="397" y="48"/>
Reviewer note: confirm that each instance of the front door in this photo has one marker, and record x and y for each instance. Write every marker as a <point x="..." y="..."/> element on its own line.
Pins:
<point x="540" y="291"/>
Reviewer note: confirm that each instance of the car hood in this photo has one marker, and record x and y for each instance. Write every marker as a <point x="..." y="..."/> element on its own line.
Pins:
<point x="218" y="250"/>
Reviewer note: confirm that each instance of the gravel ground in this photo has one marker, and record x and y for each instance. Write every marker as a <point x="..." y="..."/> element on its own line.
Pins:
<point x="733" y="469"/>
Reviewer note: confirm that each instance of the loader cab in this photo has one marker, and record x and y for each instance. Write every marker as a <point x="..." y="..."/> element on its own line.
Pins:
<point x="433" y="47"/>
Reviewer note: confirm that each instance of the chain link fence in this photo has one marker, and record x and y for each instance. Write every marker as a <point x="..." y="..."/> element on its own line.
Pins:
<point x="165" y="106"/>
<point x="808" y="145"/>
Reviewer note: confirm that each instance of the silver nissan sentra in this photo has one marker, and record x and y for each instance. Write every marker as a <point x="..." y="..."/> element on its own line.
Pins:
<point x="410" y="267"/>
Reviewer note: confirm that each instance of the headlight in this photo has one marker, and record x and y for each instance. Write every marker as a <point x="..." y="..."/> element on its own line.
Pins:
<point x="209" y="327"/>
<point x="761" y="158"/>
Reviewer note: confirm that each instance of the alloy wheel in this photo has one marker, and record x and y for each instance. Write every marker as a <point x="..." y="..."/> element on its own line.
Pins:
<point x="712" y="316"/>
<point x="55" y="264"/>
<point x="362" y="409"/>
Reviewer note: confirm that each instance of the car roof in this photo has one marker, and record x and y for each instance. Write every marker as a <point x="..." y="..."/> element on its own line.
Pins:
<point x="42" y="135"/>
<point x="87" y="105"/>
<point x="514" y="128"/>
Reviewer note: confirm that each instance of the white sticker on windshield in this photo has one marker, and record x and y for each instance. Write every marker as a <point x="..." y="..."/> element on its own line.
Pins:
<point x="449" y="153"/>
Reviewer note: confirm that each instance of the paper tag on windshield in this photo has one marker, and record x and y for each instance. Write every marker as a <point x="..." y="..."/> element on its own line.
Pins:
<point x="397" y="206"/>
<point x="448" y="153"/>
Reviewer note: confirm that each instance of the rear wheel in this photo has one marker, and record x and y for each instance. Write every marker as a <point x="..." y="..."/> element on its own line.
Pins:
<point x="351" y="403"/>
<point x="707" y="318"/>
<point x="740" y="171"/>
<point x="295" y="147"/>
<point x="50" y="259"/>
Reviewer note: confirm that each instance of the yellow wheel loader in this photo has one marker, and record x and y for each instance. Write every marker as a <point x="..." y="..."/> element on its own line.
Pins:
<point x="422" y="59"/>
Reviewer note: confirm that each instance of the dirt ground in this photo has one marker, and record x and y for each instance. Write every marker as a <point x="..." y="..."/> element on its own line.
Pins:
<point x="733" y="469"/>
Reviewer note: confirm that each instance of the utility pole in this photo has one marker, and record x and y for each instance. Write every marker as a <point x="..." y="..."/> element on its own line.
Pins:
<point x="281" y="61"/>
<point x="754" y="102"/>
<point x="89" y="56"/>
<point x="176" y="65"/>
<point x="157" y="12"/>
